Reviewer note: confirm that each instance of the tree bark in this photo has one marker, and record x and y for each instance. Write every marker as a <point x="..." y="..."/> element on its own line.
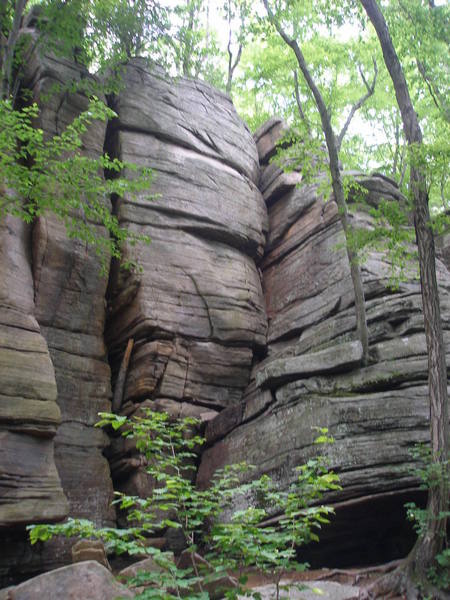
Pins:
<point x="427" y="546"/>
<point x="8" y="58"/>
<point x="359" y="103"/>
<point x="338" y="189"/>
<point x="121" y="377"/>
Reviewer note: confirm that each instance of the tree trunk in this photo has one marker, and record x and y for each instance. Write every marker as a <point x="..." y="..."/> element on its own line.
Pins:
<point x="427" y="546"/>
<point x="187" y="50"/>
<point x="338" y="189"/>
<point x="8" y="58"/>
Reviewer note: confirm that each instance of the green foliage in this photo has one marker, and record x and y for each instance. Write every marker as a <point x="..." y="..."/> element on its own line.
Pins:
<point x="251" y="538"/>
<point x="38" y="174"/>
<point x="266" y="534"/>
<point x="432" y="473"/>
<point x="104" y="32"/>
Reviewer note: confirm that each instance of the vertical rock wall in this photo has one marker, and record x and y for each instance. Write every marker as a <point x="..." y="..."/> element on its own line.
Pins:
<point x="70" y="308"/>
<point x="59" y="354"/>
<point x="313" y="375"/>
<point x="30" y="488"/>
<point x="260" y="365"/>
<point x="196" y="310"/>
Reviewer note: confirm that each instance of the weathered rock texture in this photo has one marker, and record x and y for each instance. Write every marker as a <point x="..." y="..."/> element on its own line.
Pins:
<point x="313" y="376"/>
<point x="88" y="580"/>
<point x="259" y="364"/>
<point x="196" y="309"/>
<point x="56" y="376"/>
<point x="70" y="308"/>
<point x="30" y="489"/>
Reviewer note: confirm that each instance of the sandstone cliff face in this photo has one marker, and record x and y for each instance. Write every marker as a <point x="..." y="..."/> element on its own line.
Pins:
<point x="55" y="296"/>
<point x="313" y="376"/>
<point x="242" y="315"/>
<point x="196" y="310"/>
<point x="69" y="292"/>
<point x="30" y="488"/>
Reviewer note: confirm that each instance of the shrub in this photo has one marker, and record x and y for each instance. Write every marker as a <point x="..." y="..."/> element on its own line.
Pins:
<point x="265" y="535"/>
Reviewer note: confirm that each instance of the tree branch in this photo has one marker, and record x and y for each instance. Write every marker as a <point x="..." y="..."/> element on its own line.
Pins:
<point x="232" y="66"/>
<point x="370" y="90"/>
<point x="338" y="188"/>
<point x="8" y="58"/>
<point x="297" y="96"/>
<point x="436" y="95"/>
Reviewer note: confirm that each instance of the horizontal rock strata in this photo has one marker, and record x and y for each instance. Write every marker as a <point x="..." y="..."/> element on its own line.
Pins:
<point x="196" y="310"/>
<point x="312" y="375"/>
<point x="30" y="488"/>
<point x="70" y="307"/>
<point x="57" y="369"/>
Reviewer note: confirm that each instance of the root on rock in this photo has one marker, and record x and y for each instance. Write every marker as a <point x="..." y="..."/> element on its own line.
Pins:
<point x="400" y="583"/>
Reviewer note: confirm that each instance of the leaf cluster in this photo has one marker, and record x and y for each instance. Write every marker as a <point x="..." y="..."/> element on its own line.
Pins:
<point x="38" y="174"/>
<point x="266" y="534"/>
<point x="432" y="474"/>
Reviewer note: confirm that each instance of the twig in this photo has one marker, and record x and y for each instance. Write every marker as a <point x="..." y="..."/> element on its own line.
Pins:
<point x="297" y="96"/>
<point x="370" y="90"/>
<point x="121" y="377"/>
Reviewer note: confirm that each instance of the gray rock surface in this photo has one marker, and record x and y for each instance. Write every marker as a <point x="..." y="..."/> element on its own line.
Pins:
<point x="65" y="360"/>
<point x="30" y="489"/>
<point x="267" y="137"/>
<point x="196" y="311"/>
<point x="186" y="112"/>
<point x="242" y="315"/>
<point x="374" y="412"/>
<point x="70" y="308"/>
<point x="88" y="580"/>
<point x="342" y="357"/>
<point x="329" y="590"/>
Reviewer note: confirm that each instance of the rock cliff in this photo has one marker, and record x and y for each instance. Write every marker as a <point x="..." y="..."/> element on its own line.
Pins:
<point x="313" y="374"/>
<point x="242" y="315"/>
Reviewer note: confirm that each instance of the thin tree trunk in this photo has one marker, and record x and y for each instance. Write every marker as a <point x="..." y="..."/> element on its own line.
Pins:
<point x="338" y="189"/>
<point x="427" y="546"/>
<point x="188" y="46"/>
<point x="121" y="377"/>
<point x="8" y="58"/>
<point x="232" y="65"/>
<point x="359" y="103"/>
<point x="397" y="150"/>
<point x="297" y="98"/>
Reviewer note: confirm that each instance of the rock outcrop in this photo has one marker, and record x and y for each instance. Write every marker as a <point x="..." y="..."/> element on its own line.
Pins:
<point x="69" y="290"/>
<point x="196" y="310"/>
<point x="242" y="314"/>
<point x="55" y="375"/>
<point x="30" y="488"/>
<point x="313" y="375"/>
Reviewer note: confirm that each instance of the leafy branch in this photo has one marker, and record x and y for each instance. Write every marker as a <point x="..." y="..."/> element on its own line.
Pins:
<point x="39" y="175"/>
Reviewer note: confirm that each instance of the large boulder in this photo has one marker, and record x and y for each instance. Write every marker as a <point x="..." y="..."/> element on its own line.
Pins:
<point x="88" y="580"/>
<point x="196" y="310"/>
